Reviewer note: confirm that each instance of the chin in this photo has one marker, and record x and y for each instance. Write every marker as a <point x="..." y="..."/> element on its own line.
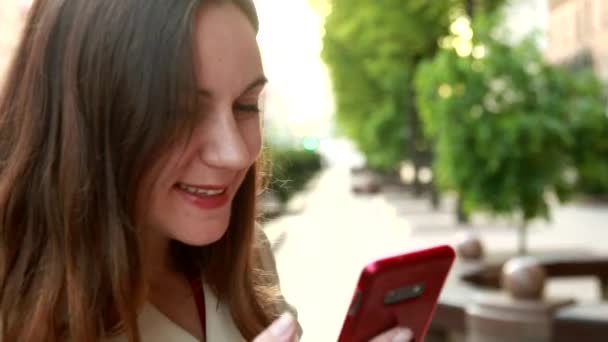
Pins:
<point x="201" y="237"/>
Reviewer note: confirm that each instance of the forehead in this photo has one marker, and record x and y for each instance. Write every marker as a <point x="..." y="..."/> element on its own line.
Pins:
<point x="227" y="56"/>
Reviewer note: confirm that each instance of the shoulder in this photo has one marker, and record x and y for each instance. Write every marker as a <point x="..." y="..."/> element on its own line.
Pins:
<point x="267" y="264"/>
<point x="264" y="258"/>
<point x="261" y="237"/>
<point x="156" y="327"/>
<point x="153" y="326"/>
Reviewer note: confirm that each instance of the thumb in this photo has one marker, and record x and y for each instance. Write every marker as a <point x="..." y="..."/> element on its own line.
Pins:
<point x="282" y="329"/>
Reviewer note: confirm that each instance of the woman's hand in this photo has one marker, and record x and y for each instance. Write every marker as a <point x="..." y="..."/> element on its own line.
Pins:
<point x="398" y="334"/>
<point x="284" y="330"/>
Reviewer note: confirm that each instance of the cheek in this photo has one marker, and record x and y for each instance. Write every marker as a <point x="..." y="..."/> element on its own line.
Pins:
<point x="147" y="202"/>
<point x="251" y="131"/>
<point x="157" y="184"/>
<point x="147" y="199"/>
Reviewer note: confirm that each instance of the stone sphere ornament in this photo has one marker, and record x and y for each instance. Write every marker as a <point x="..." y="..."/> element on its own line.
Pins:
<point x="469" y="246"/>
<point x="524" y="278"/>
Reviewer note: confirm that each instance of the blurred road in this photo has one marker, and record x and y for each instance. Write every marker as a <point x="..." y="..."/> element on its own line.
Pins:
<point x="321" y="251"/>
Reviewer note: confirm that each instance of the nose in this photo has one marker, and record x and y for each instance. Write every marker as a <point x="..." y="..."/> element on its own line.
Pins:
<point x="224" y="145"/>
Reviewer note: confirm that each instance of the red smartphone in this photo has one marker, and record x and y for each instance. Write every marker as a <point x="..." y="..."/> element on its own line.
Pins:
<point x="400" y="290"/>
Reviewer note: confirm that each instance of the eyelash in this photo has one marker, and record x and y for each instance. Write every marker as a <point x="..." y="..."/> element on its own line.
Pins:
<point x="247" y="108"/>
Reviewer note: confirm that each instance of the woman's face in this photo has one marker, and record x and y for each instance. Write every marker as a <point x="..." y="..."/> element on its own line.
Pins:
<point x="190" y="195"/>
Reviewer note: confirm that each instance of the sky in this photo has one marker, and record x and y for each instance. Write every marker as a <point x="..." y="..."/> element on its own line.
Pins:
<point x="524" y="16"/>
<point x="299" y="96"/>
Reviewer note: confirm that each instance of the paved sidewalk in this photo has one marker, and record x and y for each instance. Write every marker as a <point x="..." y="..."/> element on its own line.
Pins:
<point x="320" y="251"/>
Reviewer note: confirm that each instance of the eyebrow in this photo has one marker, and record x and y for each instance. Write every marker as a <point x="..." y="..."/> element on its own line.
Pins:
<point x="261" y="80"/>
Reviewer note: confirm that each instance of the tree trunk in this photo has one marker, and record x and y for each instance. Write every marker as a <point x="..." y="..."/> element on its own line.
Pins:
<point x="435" y="197"/>
<point x="470" y="8"/>
<point x="414" y="137"/>
<point x="522" y="235"/>
<point x="461" y="214"/>
<point x="463" y="217"/>
<point x="433" y="187"/>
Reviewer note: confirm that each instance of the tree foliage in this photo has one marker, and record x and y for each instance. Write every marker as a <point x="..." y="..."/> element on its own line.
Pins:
<point x="509" y="128"/>
<point x="291" y="169"/>
<point x="589" y="122"/>
<point x="371" y="48"/>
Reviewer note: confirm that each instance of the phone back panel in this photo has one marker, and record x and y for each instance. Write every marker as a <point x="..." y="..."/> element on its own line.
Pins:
<point x="398" y="290"/>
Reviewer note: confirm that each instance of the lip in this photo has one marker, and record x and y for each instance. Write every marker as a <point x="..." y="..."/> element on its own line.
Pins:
<point x="205" y="186"/>
<point x="206" y="203"/>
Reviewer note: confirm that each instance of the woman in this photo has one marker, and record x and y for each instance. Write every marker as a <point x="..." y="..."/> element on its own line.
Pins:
<point x="130" y="138"/>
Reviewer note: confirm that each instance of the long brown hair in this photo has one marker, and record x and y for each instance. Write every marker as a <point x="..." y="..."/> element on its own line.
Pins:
<point x="96" y="90"/>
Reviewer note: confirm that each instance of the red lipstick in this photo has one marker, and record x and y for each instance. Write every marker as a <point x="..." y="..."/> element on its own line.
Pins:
<point x="204" y="196"/>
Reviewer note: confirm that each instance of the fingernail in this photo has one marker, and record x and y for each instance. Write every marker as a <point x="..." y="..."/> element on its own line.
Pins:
<point x="403" y="335"/>
<point x="282" y="326"/>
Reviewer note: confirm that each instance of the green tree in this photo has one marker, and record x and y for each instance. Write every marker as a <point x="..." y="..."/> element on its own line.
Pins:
<point x="371" y="48"/>
<point x="590" y="124"/>
<point x="505" y="123"/>
<point x="291" y="169"/>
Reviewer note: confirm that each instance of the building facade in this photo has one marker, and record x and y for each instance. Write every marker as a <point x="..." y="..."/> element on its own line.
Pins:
<point x="578" y="34"/>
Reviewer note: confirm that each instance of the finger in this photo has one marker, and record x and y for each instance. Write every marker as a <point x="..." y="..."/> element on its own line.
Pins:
<point x="282" y="329"/>
<point x="398" y="334"/>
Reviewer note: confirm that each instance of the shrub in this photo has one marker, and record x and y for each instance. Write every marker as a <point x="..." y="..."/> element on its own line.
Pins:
<point x="290" y="170"/>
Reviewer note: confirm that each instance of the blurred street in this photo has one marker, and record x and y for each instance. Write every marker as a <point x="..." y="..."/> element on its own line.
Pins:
<point x="321" y="249"/>
<point x="504" y="100"/>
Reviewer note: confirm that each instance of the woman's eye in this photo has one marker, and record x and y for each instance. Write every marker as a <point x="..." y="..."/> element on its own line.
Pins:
<point x="246" y="108"/>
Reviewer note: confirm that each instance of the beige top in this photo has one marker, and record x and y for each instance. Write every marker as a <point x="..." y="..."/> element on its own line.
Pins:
<point x="154" y="326"/>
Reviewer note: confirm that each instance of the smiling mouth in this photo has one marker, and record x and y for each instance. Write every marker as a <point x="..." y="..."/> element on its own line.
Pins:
<point x="201" y="190"/>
